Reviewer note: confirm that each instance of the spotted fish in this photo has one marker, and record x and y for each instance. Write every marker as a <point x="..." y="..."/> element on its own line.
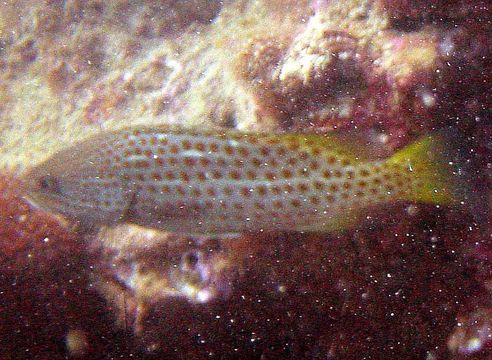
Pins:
<point x="231" y="182"/>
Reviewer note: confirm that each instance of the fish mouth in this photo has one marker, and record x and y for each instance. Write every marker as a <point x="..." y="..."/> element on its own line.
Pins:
<point x="40" y="201"/>
<point x="44" y="203"/>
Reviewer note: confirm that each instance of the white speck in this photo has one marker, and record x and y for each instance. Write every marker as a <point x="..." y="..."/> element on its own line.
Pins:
<point x="203" y="296"/>
<point x="46" y="239"/>
<point x="474" y="344"/>
<point x="76" y="342"/>
<point x="344" y="110"/>
<point x="344" y="55"/>
<point x="430" y="356"/>
<point x="383" y="138"/>
<point x="447" y="46"/>
<point x="428" y="99"/>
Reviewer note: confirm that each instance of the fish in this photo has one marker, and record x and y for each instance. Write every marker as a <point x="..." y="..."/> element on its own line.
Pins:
<point x="218" y="182"/>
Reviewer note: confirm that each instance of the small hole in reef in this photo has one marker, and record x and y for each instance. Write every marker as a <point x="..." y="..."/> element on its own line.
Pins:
<point x="230" y="120"/>
<point x="407" y="24"/>
<point x="190" y="259"/>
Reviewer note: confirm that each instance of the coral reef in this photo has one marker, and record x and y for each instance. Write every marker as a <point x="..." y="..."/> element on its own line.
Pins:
<point x="31" y="240"/>
<point x="411" y="281"/>
<point x="93" y="69"/>
<point x="43" y="280"/>
<point x="394" y="286"/>
<point x="139" y="268"/>
<point x="322" y="76"/>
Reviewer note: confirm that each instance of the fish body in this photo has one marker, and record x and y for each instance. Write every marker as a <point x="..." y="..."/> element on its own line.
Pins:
<point x="230" y="182"/>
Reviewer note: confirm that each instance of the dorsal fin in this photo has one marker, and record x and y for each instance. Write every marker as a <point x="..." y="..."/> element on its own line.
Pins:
<point x="343" y="146"/>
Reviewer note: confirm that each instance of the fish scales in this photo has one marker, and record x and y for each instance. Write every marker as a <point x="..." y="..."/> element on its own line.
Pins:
<point x="206" y="182"/>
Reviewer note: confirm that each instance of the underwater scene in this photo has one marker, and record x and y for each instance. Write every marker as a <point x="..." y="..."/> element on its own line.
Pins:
<point x="245" y="179"/>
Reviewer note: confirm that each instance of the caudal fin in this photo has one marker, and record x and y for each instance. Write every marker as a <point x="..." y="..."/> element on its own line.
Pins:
<point x="442" y="173"/>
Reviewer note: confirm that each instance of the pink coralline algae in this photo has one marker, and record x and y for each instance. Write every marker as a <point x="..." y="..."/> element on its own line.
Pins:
<point x="308" y="83"/>
<point x="139" y="270"/>
<point x="473" y="333"/>
<point x="394" y="286"/>
<point x="43" y="283"/>
<point x="369" y="74"/>
<point x="30" y="239"/>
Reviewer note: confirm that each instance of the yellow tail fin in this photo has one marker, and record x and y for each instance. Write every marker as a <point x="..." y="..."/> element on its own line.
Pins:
<point x="433" y="161"/>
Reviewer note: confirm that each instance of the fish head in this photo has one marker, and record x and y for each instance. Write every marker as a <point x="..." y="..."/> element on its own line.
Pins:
<point x="80" y="184"/>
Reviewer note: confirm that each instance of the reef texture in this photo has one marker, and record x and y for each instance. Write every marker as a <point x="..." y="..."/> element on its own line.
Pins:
<point x="412" y="281"/>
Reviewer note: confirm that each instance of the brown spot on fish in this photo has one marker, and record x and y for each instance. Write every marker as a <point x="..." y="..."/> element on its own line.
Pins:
<point x="234" y="175"/>
<point x="256" y="162"/>
<point x="189" y="161"/>
<point x="295" y="203"/>
<point x="173" y="149"/>
<point x="200" y="146"/>
<point x="250" y="175"/>
<point x="286" y="173"/>
<point x="216" y="174"/>
<point x="214" y="147"/>
<point x="245" y="192"/>
<point x="302" y="187"/>
<point x="262" y="190"/>
<point x="201" y="176"/>
<point x="186" y="144"/>
<point x="288" y="189"/>
<point x="211" y="191"/>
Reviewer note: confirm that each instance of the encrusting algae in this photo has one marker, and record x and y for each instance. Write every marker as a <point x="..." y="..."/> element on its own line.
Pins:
<point x="230" y="182"/>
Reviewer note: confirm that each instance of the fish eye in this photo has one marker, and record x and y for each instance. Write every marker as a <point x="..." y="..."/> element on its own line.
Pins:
<point x="49" y="183"/>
